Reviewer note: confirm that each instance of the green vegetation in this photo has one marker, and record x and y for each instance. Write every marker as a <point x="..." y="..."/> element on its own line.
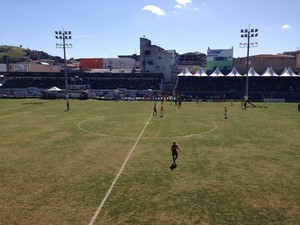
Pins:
<point x="57" y="166"/>
<point x="13" y="54"/>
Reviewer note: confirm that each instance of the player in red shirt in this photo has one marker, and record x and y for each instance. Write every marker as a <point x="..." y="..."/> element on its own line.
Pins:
<point x="174" y="149"/>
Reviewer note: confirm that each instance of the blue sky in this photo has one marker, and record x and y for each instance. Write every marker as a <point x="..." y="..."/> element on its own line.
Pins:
<point x="108" y="28"/>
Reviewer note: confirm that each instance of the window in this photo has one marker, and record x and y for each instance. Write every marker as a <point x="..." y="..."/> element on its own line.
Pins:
<point x="147" y="52"/>
<point x="220" y="58"/>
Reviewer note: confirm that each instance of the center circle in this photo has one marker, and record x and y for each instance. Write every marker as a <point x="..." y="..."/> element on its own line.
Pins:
<point x="104" y="126"/>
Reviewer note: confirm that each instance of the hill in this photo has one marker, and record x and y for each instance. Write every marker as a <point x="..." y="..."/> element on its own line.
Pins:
<point x="14" y="54"/>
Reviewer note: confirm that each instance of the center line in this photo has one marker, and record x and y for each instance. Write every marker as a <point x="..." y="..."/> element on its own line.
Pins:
<point x="118" y="175"/>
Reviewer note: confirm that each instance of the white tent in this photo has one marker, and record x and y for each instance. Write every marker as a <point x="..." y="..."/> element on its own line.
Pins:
<point x="269" y="72"/>
<point x="288" y="72"/>
<point x="252" y="72"/>
<point x="234" y="73"/>
<point x="217" y="73"/>
<point x="185" y="72"/>
<point x="200" y="73"/>
<point x="54" y="89"/>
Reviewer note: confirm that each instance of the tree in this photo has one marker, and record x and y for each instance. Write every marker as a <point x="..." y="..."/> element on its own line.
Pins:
<point x="13" y="54"/>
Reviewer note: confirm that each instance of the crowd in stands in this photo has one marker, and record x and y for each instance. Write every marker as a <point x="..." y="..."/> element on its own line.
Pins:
<point x="202" y="87"/>
<point x="93" y="83"/>
<point x="130" y="84"/>
<point x="34" y="82"/>
<point x="234" y="87"/>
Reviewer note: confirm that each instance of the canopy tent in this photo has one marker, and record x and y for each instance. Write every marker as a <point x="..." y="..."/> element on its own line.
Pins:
<point x="234" y="73"/>
<point x="185" y="72"/>
<point x="269" y="73"/>
<point x="217" y="73"/>
<point x="200" y="73"/>
<point x="252" y="72"/>
<point x="288" y="72"/>
<point x="54" y="89"/>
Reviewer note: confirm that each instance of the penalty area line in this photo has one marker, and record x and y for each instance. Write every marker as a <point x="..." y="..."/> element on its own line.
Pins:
<point x="118" y="175"/>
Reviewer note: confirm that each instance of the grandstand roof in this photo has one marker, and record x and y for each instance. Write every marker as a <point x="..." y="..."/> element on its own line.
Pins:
<point x="252" y="72"/>
<point x="288" y="72"/>
<point x="200" y="73"/>
<point x="216" y="73"/>
<point x="269" y="72"/>
<point x="234" y="73"/>
<point x="185" y="72"/>
<point x="53" y="89"/>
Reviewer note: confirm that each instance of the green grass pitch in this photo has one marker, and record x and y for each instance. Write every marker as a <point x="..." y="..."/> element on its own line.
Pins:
<point x="56" y="167"/>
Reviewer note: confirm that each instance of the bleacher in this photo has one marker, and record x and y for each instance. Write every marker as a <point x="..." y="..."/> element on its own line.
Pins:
<point x="234" y="87"/>
<point x="16" y="81"/>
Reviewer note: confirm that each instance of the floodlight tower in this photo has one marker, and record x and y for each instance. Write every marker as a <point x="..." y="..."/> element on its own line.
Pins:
<point x="248" y="33"/>
<point x="64" y="35"/>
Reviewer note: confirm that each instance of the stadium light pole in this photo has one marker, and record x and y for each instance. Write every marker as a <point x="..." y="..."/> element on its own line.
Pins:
<point x="64" y="35"/>
<point x="248" y="33"/>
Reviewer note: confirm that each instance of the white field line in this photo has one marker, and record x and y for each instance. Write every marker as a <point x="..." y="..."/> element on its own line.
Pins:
<point x="118" y="175"/>
<point x="202" y="133"/>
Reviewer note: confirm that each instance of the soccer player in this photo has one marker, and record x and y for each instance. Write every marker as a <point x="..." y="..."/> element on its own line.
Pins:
<point x="174" y="149"/>
<point x="179" y="102"/>
<point x="68" y="105"/>
<point x="154" y="109"/>
<point x="162" y="111"/>
<point x="225" y="113"/>
<point x="299" y="107"/>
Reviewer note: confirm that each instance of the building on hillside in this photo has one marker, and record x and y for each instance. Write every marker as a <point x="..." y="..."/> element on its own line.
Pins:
<point x="44" y="67"/>
<point x="99" y="65"/>
<point x="155" y="59"/>
<point x="33" y="67"/>
<point x="296" y="54"/>
<point x="219" y="58"/>
<point x="3" y="67"/>
<point x="261" y="62"/>
<point x="297" y="68"/>
<point x="119" y="64"/>
<point x="193" y="58"/>
<point x="87" y="64"/>
<point x="136" y="58"/>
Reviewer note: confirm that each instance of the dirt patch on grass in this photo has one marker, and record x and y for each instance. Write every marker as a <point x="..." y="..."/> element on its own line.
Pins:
<point x="272" y="201"/>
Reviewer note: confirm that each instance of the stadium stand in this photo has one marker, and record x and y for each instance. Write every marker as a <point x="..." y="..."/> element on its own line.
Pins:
<point x="224" y="87"/>
<point x="22" y="81"/>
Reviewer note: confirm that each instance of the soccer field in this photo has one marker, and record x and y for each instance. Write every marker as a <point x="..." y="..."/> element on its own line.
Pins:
<point x="106" y="162"/>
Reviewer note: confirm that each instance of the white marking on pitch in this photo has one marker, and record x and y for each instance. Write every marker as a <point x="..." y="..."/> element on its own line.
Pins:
<point x="180" y="136"/>
<point x="118" y="175"/>
<point x="89" y="132"/>
<point x="202" y="133"/>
